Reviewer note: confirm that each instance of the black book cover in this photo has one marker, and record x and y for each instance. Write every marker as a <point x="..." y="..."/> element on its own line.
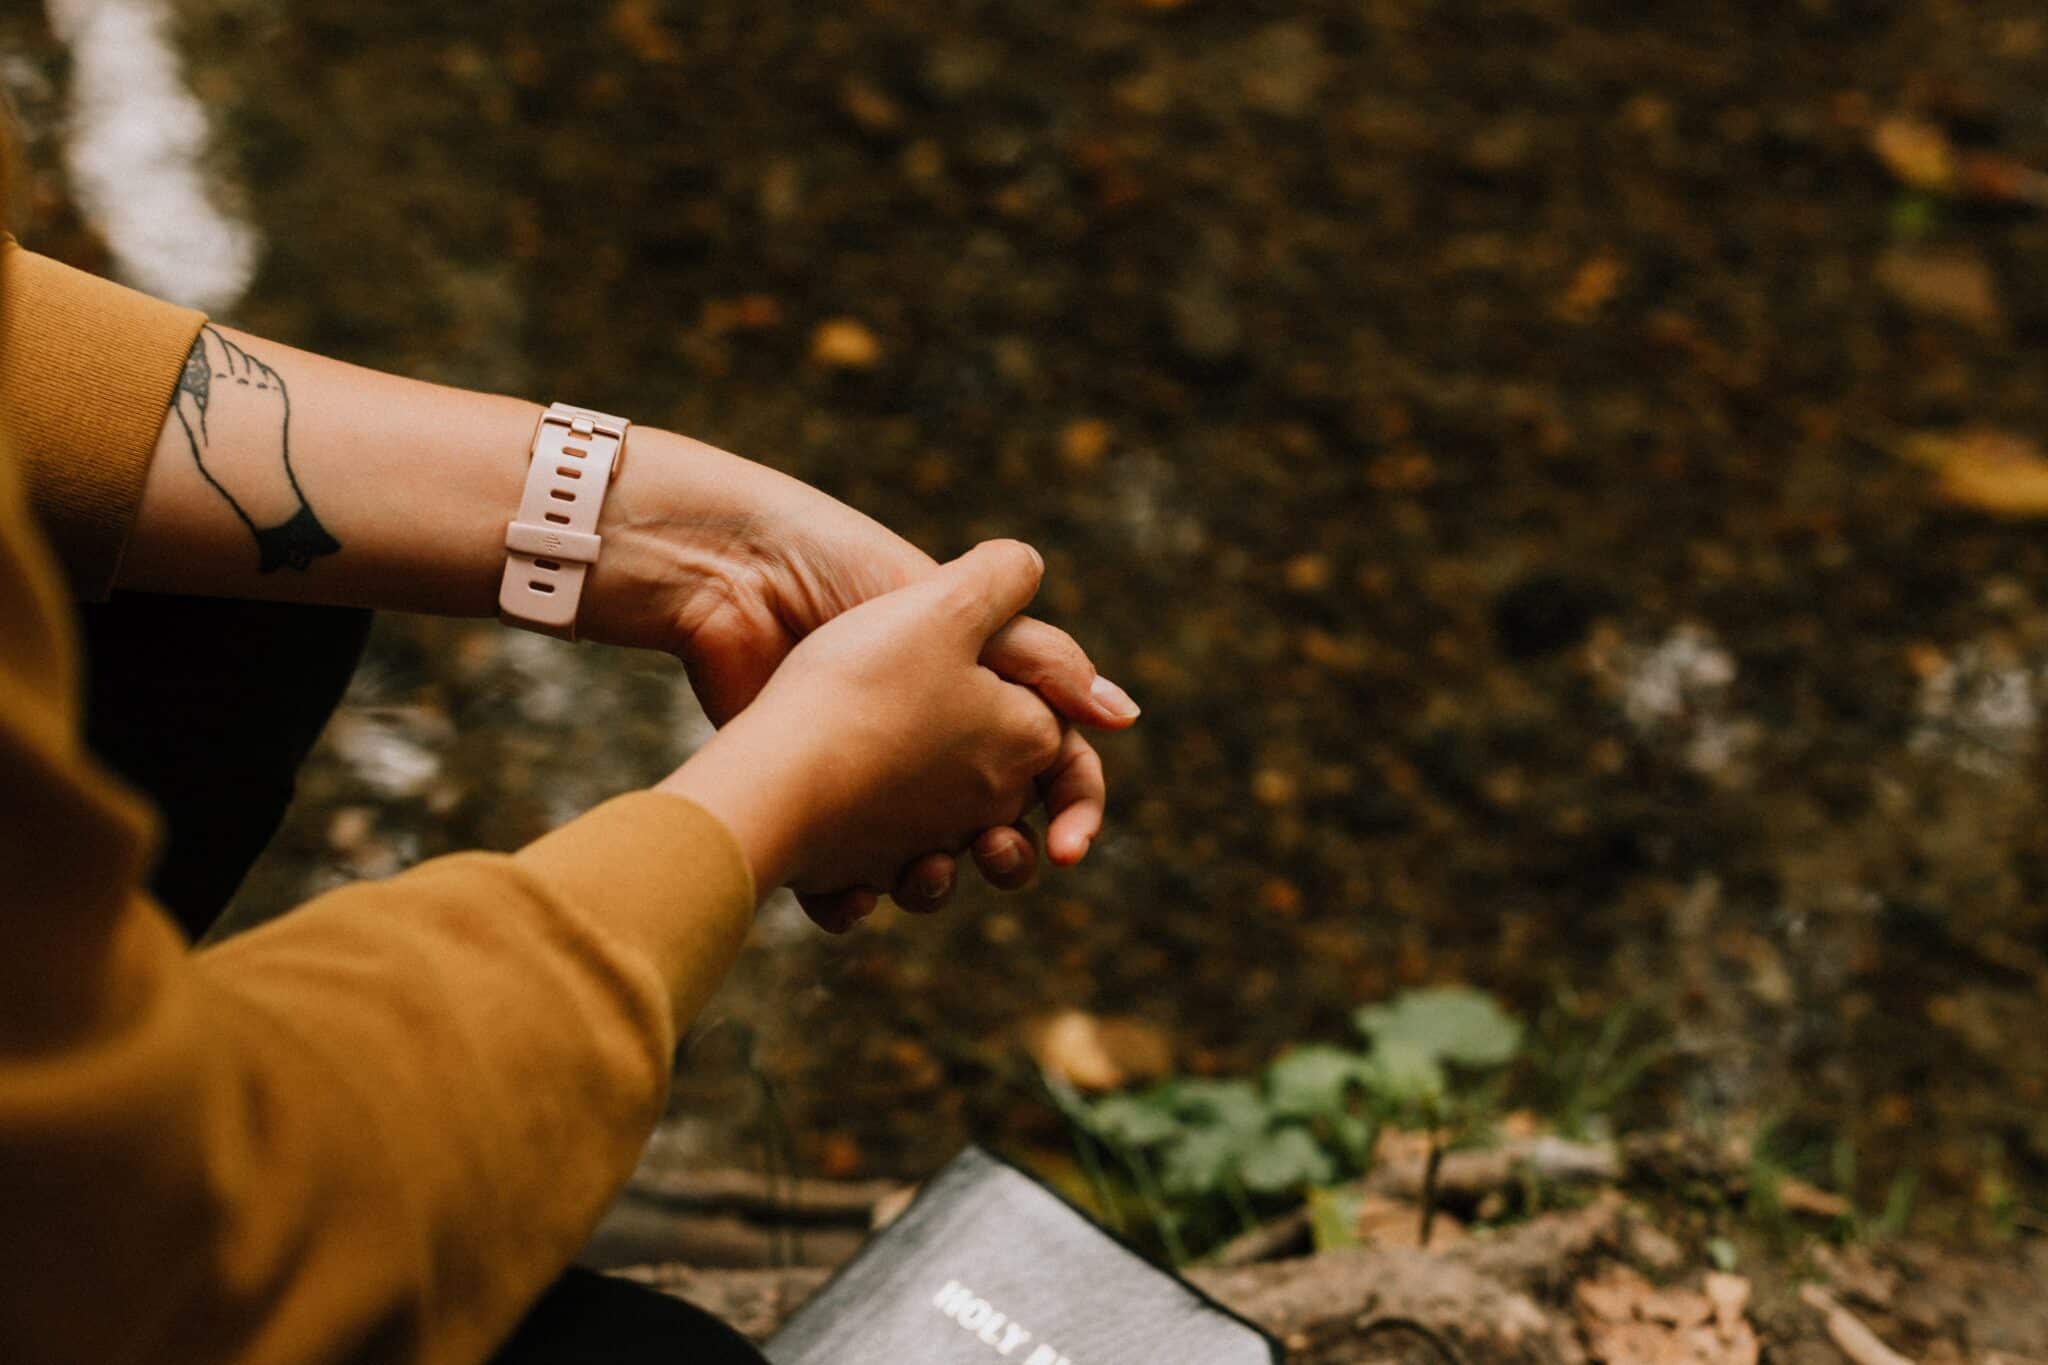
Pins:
<point x="987" y="1266"/>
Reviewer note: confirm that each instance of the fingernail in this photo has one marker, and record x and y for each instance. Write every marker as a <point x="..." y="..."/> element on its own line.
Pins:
<point x="934" y="886"/>
<point x="1112" y="698"/>
<point x="1006" y="860"/>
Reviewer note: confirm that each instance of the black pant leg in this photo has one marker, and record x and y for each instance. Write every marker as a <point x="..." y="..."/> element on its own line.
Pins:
<point x="209" y="706"/>
<point x="593" y="1319"/>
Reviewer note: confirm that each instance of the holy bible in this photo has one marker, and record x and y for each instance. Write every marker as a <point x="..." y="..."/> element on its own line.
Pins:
<point x="988" y="1266"/>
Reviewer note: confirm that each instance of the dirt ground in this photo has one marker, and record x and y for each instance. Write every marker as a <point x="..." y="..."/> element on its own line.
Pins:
<point x="1475" y="432"/>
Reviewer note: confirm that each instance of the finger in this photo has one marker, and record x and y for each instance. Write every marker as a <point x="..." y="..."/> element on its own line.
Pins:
<point x="1007" y="856"/>
<point x="1075" y="798"/>
<point x="989" y="584"/>
<point x="1031" y="653"/>
<point x="839" y="911"/>
<point x="926" y="884"/>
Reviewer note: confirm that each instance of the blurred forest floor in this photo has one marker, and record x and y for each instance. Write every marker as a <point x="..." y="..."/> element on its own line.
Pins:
<point x="1559" y="474"/>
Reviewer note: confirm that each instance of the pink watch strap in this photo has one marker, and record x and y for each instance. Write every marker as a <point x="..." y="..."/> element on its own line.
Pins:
<point x="553" y="542"/>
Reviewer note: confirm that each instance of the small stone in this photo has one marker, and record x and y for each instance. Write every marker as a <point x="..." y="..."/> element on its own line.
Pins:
<point x="846" y="344"/>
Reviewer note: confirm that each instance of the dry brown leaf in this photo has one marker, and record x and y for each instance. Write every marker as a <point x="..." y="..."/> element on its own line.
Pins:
<point x="1730" y="1296"/>
<point x="846" y="344"/>
<point x="1591" y="288"/>
<point x="1626" y="1320"/>
<point x="1951" y="284"/>
<point x="1676" y="1307"/>
<point x="1796" y="1196"/>
<point x="870" y="107"/>
<point x="637" y="24"/>
<point x="1094" y="1053"/>
<point x="1615" y="1295"/>
<point x="1917" y="153"/>
<point x="1083" y="444"/>
<point x="1984" y="468"/>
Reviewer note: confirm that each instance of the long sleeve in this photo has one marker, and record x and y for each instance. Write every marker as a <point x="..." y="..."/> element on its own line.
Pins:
<point x="368" y="1131"/>
<point x="87" y="369"/>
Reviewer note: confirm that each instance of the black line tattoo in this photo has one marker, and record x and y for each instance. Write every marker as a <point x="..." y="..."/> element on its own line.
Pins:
<point x="221" y="380"/>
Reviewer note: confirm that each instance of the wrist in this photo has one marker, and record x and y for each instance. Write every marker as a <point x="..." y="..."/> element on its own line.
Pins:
<point x="759" y="795"/>
<point x="677" y="534"/>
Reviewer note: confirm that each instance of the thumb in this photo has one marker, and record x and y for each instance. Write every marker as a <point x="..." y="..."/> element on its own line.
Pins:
<point x="989" y="585"/>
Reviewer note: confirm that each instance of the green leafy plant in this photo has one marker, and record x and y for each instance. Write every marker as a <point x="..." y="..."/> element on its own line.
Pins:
<point x="1203" y="1157"/>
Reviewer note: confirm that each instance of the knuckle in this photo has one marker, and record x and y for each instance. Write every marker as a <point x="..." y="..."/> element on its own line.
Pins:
<point x="1043" y="745"/>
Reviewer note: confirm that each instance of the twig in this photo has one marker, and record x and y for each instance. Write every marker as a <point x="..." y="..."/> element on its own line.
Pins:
<point x="1850" y="1333"/>
<point x="1429" y="1174"/>
<point x="1437" y="1342"/>
<point x="1285" y="1235"/>
<point x="752" y="1194"/>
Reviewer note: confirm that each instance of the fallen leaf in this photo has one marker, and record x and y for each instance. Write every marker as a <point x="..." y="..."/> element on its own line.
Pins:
<point x="1729" y="1294"/>
<point x="1083" y="444"/>
<point x="1986" y="469"/>
<point x="1307" y="572"/>
<point x="1591" y="288"/>
<point x="1921" y="157"/>
<point x="869" y="107"/>
<point x="1676" y="1307"/>
<point x="1612" y="1296"/>
<point x="1626" y="1320"/>
<point x="1918" y="154"/>
<point x="1950" y="284"/>
<point x="2002" y="180"/>
<point x="1797" y="1196"/>
<point x="846" y="344"/>
<point x="637" y="24"/>
<point x="840" y="1156"/>
<point x="1095" y="1053"/>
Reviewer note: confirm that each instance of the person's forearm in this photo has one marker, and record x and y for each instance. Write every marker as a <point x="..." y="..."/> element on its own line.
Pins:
<point x="280" y="474"/>
<point x="285" y="475"/>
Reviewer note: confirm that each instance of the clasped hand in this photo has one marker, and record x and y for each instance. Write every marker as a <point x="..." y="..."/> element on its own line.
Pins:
<point x="880" y="714"/>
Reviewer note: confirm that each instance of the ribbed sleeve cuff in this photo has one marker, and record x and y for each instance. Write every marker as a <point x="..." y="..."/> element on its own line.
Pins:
<point x="87" y="371"/>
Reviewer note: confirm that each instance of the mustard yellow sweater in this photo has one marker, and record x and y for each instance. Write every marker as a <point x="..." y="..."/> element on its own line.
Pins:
<point x="372" y="1130"/>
